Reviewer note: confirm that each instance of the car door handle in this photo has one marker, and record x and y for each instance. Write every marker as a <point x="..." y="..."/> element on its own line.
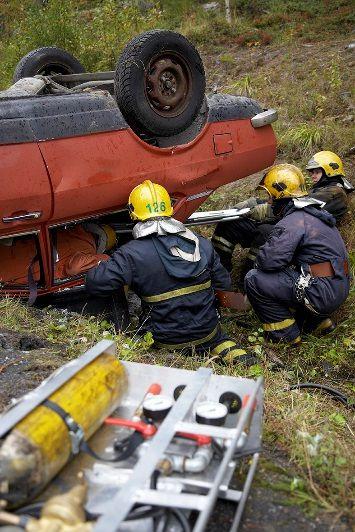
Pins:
<point x="20" y="217"/>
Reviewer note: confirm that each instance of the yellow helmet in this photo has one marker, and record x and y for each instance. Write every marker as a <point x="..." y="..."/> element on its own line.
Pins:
<point x="328" y="161"/>
<point x="111" y="237"/>
<point x="149" y="200"/>
<point x="284" y="181"/>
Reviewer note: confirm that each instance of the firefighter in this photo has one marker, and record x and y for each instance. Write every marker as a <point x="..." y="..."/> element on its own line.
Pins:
<point x="302" y="266"/>
<point x="81" y="247"/>
<point x="329" y="183"/>
<point x="74" y="250"/>
<point x="175" y="273"/>
<point x="252" y="230"/>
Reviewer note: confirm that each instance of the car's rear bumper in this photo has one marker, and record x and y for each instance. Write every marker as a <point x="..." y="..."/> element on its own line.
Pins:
<point x="265" y="118"/>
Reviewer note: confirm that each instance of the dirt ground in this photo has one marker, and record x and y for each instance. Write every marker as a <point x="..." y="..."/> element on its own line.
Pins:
<point x="25" y="360"/>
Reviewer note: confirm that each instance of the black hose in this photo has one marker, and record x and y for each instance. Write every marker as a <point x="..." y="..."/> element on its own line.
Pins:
<point x="123" y="448"/>
<point x="164" y="522"/>
<point x="144" y="512"/>
<point x="181" y="517"/>
<point x="140" y="512"/>
<point x="217" y="448"/>
<point x="336" y="394"/>
<point x="154" y="479"/>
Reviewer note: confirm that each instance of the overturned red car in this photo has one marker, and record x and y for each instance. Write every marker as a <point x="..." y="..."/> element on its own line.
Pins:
<point x="74" y="144"/>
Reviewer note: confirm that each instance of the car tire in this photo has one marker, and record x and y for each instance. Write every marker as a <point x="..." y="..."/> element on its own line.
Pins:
<point x="160" y="83"/>
<point x="47" y="61"/>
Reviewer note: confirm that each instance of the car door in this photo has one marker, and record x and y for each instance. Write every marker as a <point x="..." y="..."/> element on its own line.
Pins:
<point x="25" y="196"/>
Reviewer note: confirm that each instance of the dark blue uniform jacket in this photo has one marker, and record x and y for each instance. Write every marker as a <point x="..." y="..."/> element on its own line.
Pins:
<point x="148" y="267"/>
<point x="303" y="237"/>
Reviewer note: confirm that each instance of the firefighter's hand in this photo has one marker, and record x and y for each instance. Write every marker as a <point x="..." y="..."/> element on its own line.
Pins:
<point x="261" y="213"/>
<point x="248" y="203"/>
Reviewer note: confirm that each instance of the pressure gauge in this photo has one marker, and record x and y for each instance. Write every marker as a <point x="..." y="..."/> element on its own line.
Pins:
<point x="211" y="413"/>
<point x="156" y="407"/>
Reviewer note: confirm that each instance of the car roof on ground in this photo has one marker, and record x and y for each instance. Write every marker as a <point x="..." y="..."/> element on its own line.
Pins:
<point x="44" y="117"/>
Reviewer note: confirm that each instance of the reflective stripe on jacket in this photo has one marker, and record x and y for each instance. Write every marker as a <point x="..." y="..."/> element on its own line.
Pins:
<point x="176" y="310"/>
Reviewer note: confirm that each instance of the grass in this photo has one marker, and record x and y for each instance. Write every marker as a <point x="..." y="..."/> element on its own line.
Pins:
<point x="313" y="432"/>
<point x="310" y="86"/>
<point x="304" y="72"/>
<point x="106" y="25"/>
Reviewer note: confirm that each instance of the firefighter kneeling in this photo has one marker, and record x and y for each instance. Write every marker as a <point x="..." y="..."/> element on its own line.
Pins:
<point x="302" y="266"/>
<point x="175" y="273"/>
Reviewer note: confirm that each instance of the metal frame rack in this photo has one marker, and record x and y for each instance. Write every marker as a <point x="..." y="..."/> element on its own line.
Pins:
<point x="241" y="435"/>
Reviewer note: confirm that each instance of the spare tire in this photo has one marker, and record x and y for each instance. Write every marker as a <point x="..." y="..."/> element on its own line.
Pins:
<point x="45" y="62"/>
<point x="160" y="83"/>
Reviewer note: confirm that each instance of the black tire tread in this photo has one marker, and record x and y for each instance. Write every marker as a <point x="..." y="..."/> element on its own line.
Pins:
<point x="23" y="63"/>
<point x="123" y="82"/>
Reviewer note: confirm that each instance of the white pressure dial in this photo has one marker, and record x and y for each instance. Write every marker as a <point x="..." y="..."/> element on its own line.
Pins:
<point x="211" y="413"/>
<point x="156" y="407"/>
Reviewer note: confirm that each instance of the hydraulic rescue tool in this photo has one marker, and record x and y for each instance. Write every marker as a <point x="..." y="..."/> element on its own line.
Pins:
<point x="165" y="454"/>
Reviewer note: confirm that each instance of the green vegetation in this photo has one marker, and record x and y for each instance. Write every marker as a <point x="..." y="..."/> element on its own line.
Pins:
<point x="310" y="84"/>
<point x="314" y="433"/>
<point x="95" y="36"/>
<point x="95" y="31"/>
<point x="290" y="55"/>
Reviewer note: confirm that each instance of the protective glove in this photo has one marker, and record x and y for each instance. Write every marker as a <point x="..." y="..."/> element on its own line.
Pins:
<point x="248" y="203"/>
<point x="262" y="212"/>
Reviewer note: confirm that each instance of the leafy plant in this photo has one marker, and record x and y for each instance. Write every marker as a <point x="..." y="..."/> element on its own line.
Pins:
<point x="243" y="86"/>
<point x="95" y="36"/>
<point x="333" y="76"/>
<point x="302" y="139"/>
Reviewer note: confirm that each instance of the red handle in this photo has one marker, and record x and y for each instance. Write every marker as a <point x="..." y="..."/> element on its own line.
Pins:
<point x="154" y="389"/>
<point x="145" y="429"/>
<point x="245" y="401"/>
<point x="148" y="431"/>
<point x="200" y="439"/>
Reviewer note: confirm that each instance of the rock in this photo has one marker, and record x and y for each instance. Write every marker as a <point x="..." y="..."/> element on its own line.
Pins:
<point x="3" y="342"/>
<point x="210" y="6"/>
<point x="347" y="119"/>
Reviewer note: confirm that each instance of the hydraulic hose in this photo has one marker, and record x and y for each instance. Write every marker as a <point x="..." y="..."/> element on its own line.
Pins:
<point x="336" y="394"/>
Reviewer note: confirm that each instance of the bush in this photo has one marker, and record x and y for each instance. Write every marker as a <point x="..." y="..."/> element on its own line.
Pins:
<point x="254" y="38"/>
<point x="95" y="36"/>
<point x="302" y="140"/>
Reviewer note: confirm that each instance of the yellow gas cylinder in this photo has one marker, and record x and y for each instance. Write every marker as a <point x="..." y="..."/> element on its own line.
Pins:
<point x="39" y="445"/>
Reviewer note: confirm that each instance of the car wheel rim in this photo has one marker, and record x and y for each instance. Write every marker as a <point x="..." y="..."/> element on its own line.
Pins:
<point x="54" y="68"/>
<point x="168" y="84"/>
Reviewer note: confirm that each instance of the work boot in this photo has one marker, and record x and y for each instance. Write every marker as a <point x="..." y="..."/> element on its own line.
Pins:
<point x="325" y="327"/>
<point x="239" y="356"/>
<point x="296" y="342"/>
